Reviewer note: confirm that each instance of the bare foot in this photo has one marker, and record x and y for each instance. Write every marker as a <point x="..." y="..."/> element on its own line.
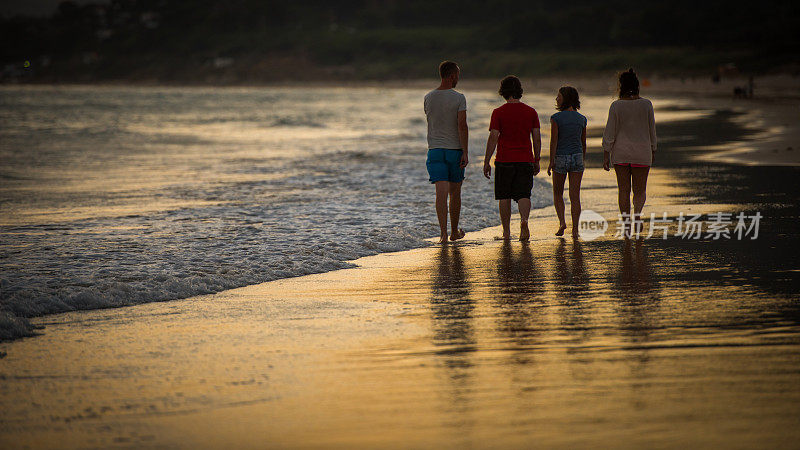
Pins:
<point x="443" y="239"/>
<point x="561" y="229"/>
<point x="575" y="234"/>
<point x="458" y="234"/>
<point x="524" y="233"/>
<point x="502" y="238"/>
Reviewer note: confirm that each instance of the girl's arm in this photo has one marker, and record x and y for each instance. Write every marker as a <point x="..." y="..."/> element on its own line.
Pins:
<point x="491" y="143"/>
<point x="553" y="145"/>
<point x="583" y="141"/>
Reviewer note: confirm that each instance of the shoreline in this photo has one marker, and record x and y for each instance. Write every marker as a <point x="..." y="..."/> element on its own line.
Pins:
<point x="429" y="345"/>
<point x="769" y="117"/>
<point x="755" y="141"/>
<point x="740" y="156"/>
<point x="768" y="87"/>
<point x="476" y="343"/>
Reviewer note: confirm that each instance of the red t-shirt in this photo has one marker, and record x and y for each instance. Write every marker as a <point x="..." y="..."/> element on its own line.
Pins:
<point x="515" y="122"/>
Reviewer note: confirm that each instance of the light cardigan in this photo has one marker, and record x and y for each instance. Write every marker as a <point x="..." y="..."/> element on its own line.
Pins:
<point x="630" y="134"/>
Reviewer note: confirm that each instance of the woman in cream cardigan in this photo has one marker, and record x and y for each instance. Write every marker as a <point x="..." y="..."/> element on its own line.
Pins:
<point x="629" y="144"/>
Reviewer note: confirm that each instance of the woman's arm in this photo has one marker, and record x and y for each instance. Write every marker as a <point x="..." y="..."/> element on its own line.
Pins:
<point x="553" y="145"/>
<point x="652" y="123"/>
<point x="609" y="136"/>
<point x="491" y="143"/>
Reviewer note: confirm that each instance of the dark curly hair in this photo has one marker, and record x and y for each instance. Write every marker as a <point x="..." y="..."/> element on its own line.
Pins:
<point x="628" y="84"/>
<point x="569" y="98"/>
<point x="510" y="87"/>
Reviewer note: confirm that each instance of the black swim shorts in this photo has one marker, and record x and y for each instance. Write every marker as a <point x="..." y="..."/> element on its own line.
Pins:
<point x="513" y="180"/>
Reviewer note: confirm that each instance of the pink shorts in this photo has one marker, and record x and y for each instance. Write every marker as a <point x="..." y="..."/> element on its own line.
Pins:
<point x="632" y="165"/>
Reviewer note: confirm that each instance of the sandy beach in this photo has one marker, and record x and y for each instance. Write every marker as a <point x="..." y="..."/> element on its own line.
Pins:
<point x="550" y="344"/>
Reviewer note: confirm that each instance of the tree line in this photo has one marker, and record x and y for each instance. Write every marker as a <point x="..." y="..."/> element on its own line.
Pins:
<point x="126" y="35"/>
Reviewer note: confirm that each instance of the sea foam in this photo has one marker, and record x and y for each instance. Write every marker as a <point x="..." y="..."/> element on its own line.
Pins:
<point x="147" y="194"/>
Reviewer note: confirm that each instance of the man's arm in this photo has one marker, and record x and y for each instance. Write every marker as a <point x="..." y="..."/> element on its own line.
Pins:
<point x="463" y="136"/>
<point x="491" y="144"/>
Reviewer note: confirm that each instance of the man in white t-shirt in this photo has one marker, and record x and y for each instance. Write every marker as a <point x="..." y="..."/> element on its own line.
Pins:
<point x="446" y="111"/>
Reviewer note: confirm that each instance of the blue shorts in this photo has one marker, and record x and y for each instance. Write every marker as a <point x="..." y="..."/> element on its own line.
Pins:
<point x="568" y="163"/>
<point x="444" y="164"/>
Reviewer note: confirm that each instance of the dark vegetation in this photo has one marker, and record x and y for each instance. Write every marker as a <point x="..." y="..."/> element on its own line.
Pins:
<point x="236" y="41"/>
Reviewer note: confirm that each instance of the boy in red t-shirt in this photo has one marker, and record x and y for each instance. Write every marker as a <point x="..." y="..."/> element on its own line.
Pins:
<point x="510" y="130"/>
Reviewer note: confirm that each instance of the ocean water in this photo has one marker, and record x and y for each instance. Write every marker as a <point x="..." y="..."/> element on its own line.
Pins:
<point x="113" y="196"/>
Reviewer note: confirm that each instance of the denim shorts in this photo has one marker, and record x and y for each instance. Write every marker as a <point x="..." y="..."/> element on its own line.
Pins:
<point x="444" y="164"/>
<point x="568" y="163"/>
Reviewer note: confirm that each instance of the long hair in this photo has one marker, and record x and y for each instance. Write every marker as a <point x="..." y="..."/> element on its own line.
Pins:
<point x="569" y="98"/>
<point x="628" y="84"/>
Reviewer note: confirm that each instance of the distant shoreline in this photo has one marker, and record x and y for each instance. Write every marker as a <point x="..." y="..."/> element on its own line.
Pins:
<point x="443" y="326"/>
<point x="776" y="101"/>
<point x="772" y="87"/>
<point x="733" y="134"/>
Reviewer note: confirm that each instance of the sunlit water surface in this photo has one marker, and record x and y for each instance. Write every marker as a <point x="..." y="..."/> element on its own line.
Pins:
<point x="126" y="195"/>
<point x="121" y="195"/>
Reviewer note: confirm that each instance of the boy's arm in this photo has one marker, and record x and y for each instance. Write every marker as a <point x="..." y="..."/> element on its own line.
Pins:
<point x="491" y="144"/>
<point x="537" y="149"/>
<point x="463" y="137"/>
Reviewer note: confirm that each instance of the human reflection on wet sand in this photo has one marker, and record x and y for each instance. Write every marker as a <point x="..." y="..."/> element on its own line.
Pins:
<point x="518" y="297"/>
<point x="634" y="282"/>
<point x="571" y="283"/>
<point x="636" y="286"/>
<point x="452" y="310"/>
<point x="451" y="304"/>
<point x="571" y="278"/>
<point x="519" y="317"/>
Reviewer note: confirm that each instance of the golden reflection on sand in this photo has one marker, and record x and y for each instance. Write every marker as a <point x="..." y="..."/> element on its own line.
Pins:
<point x="553" y="343"/>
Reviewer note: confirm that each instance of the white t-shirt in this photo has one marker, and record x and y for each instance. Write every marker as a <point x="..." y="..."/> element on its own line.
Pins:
<point x="441" y="108"/>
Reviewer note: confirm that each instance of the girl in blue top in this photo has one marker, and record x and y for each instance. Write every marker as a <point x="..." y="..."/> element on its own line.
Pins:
<point x="567" y="151"/>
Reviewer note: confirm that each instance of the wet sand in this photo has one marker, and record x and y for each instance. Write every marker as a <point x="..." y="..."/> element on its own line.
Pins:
<point x="612" y="343"/>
